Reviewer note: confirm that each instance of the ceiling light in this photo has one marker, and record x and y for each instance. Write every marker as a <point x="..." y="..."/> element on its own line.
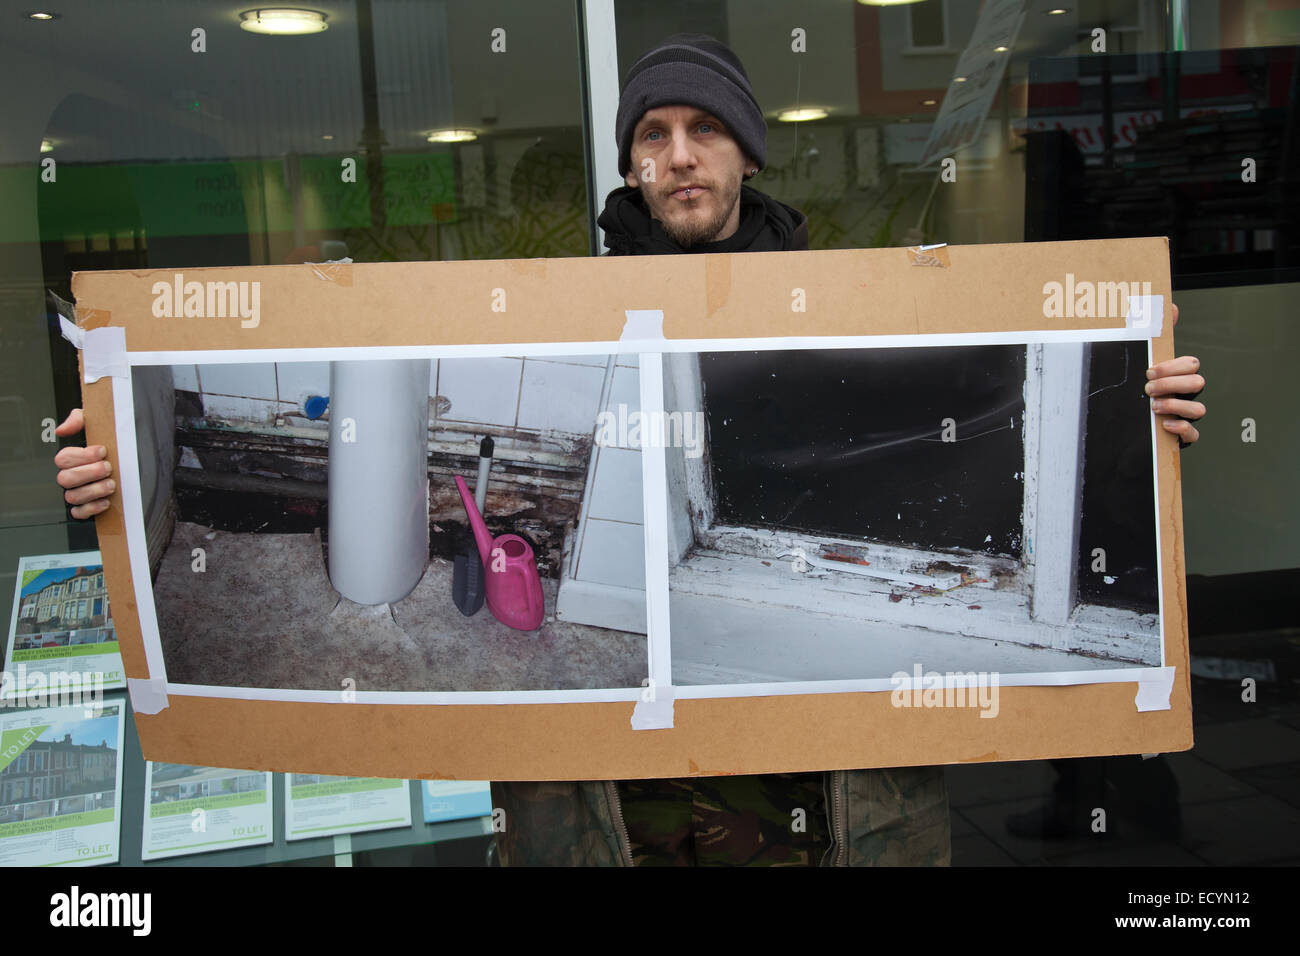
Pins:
<point x="802" y="115"/>
<point x="283" y="21"/>
<point x="328" y="136"/>
<point x="886" y="3"/>
<point x="42" y="15"/>
<point x="929" y="102"/>
<point x="1056" y="12"/>
<point x="959" y="79"/>
<point x="1001" y="49"/>
<point x="47" y="146"/>
<point x="452" y="136"/>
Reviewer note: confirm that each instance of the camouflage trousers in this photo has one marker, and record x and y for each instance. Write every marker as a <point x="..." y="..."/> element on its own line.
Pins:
<point x="889" y="817"/>
<point x="775" y="819"/>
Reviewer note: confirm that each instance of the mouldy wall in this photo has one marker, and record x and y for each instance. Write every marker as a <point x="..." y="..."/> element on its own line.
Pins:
<point x="241" y="429"/>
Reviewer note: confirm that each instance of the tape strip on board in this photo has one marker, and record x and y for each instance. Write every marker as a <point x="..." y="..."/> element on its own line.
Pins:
<point x="1146" y="314"/>
<point x="338" y="271"/>
<point x="148" y="695"/>
<point x="103" y="351"/>
<point x="1153" y="693"/>
<point x="654" y="714"/>
<point x="932" y="255"/>
<point x="642" y="325"/>
<point x="71" y="332"/>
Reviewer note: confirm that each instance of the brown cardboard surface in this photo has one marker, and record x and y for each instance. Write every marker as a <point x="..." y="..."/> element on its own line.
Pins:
<point x="847" y="292"/>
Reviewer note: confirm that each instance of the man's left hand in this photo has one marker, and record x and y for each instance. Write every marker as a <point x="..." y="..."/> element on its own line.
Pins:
<point x="1177" y="377"/>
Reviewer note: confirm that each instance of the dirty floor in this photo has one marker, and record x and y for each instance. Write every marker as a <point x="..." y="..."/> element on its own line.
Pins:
<point x="263" y="614"/>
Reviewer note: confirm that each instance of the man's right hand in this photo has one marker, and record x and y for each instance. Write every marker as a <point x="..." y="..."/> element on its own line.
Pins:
<point x="84" y="472"/>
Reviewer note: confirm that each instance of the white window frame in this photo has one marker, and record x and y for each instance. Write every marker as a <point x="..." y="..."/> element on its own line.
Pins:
<point x="1030" y="602"/>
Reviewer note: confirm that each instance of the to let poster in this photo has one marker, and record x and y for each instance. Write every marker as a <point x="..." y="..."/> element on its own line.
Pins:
<point x="61" y="632"/>
<point x="60" y="785"/>
<point x="201" y="809"/>
<point x="317" y="805"/>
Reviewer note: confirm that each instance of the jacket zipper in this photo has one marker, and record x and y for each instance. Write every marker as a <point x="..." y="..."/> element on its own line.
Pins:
<point x="838" y="825"/>
<point x="620" y="825"/>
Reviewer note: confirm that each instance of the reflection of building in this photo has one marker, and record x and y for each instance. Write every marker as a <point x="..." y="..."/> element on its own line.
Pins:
<point x="57" y="768"/>
<point x="74" y="602"/>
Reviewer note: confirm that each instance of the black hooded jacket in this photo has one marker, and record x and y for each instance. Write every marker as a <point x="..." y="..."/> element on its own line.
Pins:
<point x="766" y="225"/>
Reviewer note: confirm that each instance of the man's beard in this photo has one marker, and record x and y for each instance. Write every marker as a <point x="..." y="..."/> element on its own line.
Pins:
<point x="696" y="229"/>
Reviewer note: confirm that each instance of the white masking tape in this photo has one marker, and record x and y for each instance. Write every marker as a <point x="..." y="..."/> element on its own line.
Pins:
<point x="654" y="714"/>
<point x="1146" y="313"/>
<point x="71" y="332"/>
<point x="148" y="696"/>
<point x="643" y="325"/>
<point x="103" y="351"/>
<point x="1154" y="694"/>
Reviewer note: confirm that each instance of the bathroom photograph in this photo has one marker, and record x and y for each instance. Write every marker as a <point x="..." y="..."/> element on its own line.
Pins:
<point x="453" y="524"/>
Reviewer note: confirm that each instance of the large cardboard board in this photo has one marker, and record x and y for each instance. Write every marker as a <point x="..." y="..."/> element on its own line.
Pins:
<point x="707" y="302"/>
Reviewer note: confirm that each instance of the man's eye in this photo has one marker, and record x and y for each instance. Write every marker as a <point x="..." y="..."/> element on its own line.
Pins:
<point x="708" y="127"/>
<point x="653" y="132"/>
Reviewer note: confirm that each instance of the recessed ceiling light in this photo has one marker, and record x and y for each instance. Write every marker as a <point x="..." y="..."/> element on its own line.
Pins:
<point x="886" y="3"/>
<point x="929" y="102"/>
<point x="959" y="79"/>
<point x="1056" y="11"/>
<point x="452" y="136"/>
<point x="47" y="146"/>
<point x="283" y="21"/>
<point x="801" y="115"/>
<point x="42" y="15"/>
<point x="1001" y="49"/>
<point x="328" y="136"/>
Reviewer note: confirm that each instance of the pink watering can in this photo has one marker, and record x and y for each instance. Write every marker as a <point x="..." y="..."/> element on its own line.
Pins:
<point x="514" y="588"/>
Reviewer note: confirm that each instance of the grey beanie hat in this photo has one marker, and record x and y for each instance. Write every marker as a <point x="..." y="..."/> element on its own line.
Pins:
<point x="697" y="70"/>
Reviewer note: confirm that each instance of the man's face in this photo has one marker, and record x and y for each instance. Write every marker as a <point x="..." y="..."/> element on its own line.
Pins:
<point x="674" y="147"/>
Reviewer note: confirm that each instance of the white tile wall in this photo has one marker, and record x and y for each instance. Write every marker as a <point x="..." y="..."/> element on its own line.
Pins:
<point x="626" y="391"/>
<point x="299" y="380"/>
<point x="481" y="389"/>
<point x="559" y="395"/>
<point x="598" y="360"/>
<point x="555" y="392"/>
<point x="617" y="494"/>
<point x="185" y="378"/>
<point x="250" y="409"/>
<point x="613" y="553"/>
<point x="245" y="381"/>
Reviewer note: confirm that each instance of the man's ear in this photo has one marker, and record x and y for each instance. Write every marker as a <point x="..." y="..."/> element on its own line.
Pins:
<point x="630" y="178"/>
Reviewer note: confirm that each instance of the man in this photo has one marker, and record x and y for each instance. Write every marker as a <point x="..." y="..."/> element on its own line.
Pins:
<point x="689" y="133"/>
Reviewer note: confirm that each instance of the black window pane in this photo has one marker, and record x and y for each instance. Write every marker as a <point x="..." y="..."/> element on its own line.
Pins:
<point x="851" y="443"/>
<point x="1118" y="504"/>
